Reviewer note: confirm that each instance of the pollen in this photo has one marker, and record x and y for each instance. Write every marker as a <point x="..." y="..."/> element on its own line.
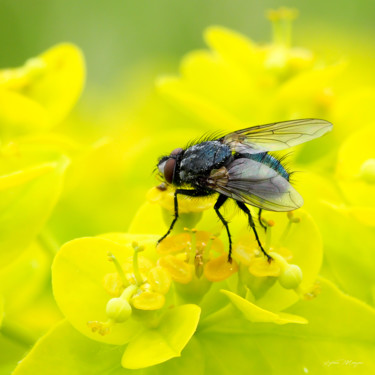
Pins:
<point x="100" y="327"/>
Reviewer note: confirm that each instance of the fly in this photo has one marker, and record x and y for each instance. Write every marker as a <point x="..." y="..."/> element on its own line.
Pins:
<point x="238" y="166"/>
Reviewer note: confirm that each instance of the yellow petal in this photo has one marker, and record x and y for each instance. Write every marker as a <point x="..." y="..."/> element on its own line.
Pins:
<point x="179" y="270"/>
<point x="39" y="94"/>
<point x="159" y="280"/>
<point x="175" y="244"/>
<point x="219" y="269"/>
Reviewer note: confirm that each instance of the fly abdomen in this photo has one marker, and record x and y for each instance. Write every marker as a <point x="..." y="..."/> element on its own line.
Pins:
<point x="268" y="160"/>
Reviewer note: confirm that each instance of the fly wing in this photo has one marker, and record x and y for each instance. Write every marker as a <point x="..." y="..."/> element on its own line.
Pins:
<point x="257" y="184"/>
<point x="276" y="136"/>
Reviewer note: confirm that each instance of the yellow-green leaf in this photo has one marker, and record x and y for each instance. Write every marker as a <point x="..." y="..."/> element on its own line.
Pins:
<point x="254" y="313"/>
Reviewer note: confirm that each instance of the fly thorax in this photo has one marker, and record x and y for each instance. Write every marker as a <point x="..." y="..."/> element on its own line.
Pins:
<point x="200" y="159"/>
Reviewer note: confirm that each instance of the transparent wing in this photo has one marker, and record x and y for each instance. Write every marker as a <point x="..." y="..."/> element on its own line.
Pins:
<point x="276" y="136"/>
<point x="257" y="184"/>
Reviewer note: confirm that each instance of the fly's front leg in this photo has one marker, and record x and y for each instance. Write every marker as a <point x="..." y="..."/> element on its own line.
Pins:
<point x="245" y="209"/>
<point x="175" y="216"/>
<point x="187" y="192"/>
<point x="221" y="200"/>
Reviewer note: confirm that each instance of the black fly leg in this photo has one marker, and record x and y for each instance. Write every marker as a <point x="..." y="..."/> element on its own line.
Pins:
<point x="245" y="209"/>
<point x="220" y="201"/>
<point x="260" y="220"/>
<point x="175" y="217"/>
<point x="187" y="192"/>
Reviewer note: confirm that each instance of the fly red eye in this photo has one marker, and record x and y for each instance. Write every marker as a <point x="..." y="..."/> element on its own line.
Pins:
<point x="169" y="170"/>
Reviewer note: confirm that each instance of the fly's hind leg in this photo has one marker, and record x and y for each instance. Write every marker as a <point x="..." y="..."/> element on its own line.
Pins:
<point x="260" y="220"/>
<point x="186" y="192"/>
<point x="245" y="209"/>
<point x="220" y="201"/>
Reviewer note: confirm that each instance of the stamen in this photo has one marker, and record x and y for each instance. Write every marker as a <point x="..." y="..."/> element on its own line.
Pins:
<point x="269" y="224"/>
<point x="193" y="250"/>
<point x="292" y="219"/>
<point x="207" y="249"/>
<point x="103" y="328"/>
<point x="198" y="264"/>
<point x="128" y="292"/>
<point x="137" y="274"/>
<point x="118" y="267"/>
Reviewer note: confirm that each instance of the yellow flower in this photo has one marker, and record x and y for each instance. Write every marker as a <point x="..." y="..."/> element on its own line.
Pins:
<point x="293" y="241"/>
<point x="39" y="94"/>
<point x="195" y="254"/>
<point x="163" y="195"/>
<point x="236" y="81"/>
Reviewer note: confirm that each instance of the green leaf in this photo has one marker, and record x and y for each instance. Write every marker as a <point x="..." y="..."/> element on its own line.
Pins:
<point x="27" y="199"/>
<point x="65" y="351"/>
<point x="13" y="350"/>
<point x="158" y="345"/>
<point x="1" y="310"/>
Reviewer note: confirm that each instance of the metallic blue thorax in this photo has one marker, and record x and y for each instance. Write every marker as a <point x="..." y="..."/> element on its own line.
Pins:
<point x="201" y="159"/>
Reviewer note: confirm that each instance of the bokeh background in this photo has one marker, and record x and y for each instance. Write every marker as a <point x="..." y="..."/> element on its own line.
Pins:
<point x="126" y="124"/>
<point x="127" y="45"/>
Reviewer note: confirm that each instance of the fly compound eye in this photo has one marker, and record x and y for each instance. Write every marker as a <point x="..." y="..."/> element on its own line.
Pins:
<point x="169" y="167"/>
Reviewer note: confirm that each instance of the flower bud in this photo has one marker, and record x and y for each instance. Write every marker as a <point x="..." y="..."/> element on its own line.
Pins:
<point x="291" y="277"/>
<point x="118" y="309"/>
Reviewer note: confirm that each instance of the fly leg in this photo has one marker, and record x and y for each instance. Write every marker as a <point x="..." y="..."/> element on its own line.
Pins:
<point x="260" y="220"/>
<point x="245" y="209"/>
<point x="186" y="192"/>
<point x="220" y="201"/>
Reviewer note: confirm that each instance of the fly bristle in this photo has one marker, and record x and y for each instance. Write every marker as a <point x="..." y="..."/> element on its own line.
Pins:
<point x="208" y="136"/>
<point x="284" y="162"/>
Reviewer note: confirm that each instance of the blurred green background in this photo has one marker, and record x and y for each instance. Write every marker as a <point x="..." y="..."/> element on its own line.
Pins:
<point x="116" y="35"/>
<point x="123" y="124"/>
<point x="127" y="44"/>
